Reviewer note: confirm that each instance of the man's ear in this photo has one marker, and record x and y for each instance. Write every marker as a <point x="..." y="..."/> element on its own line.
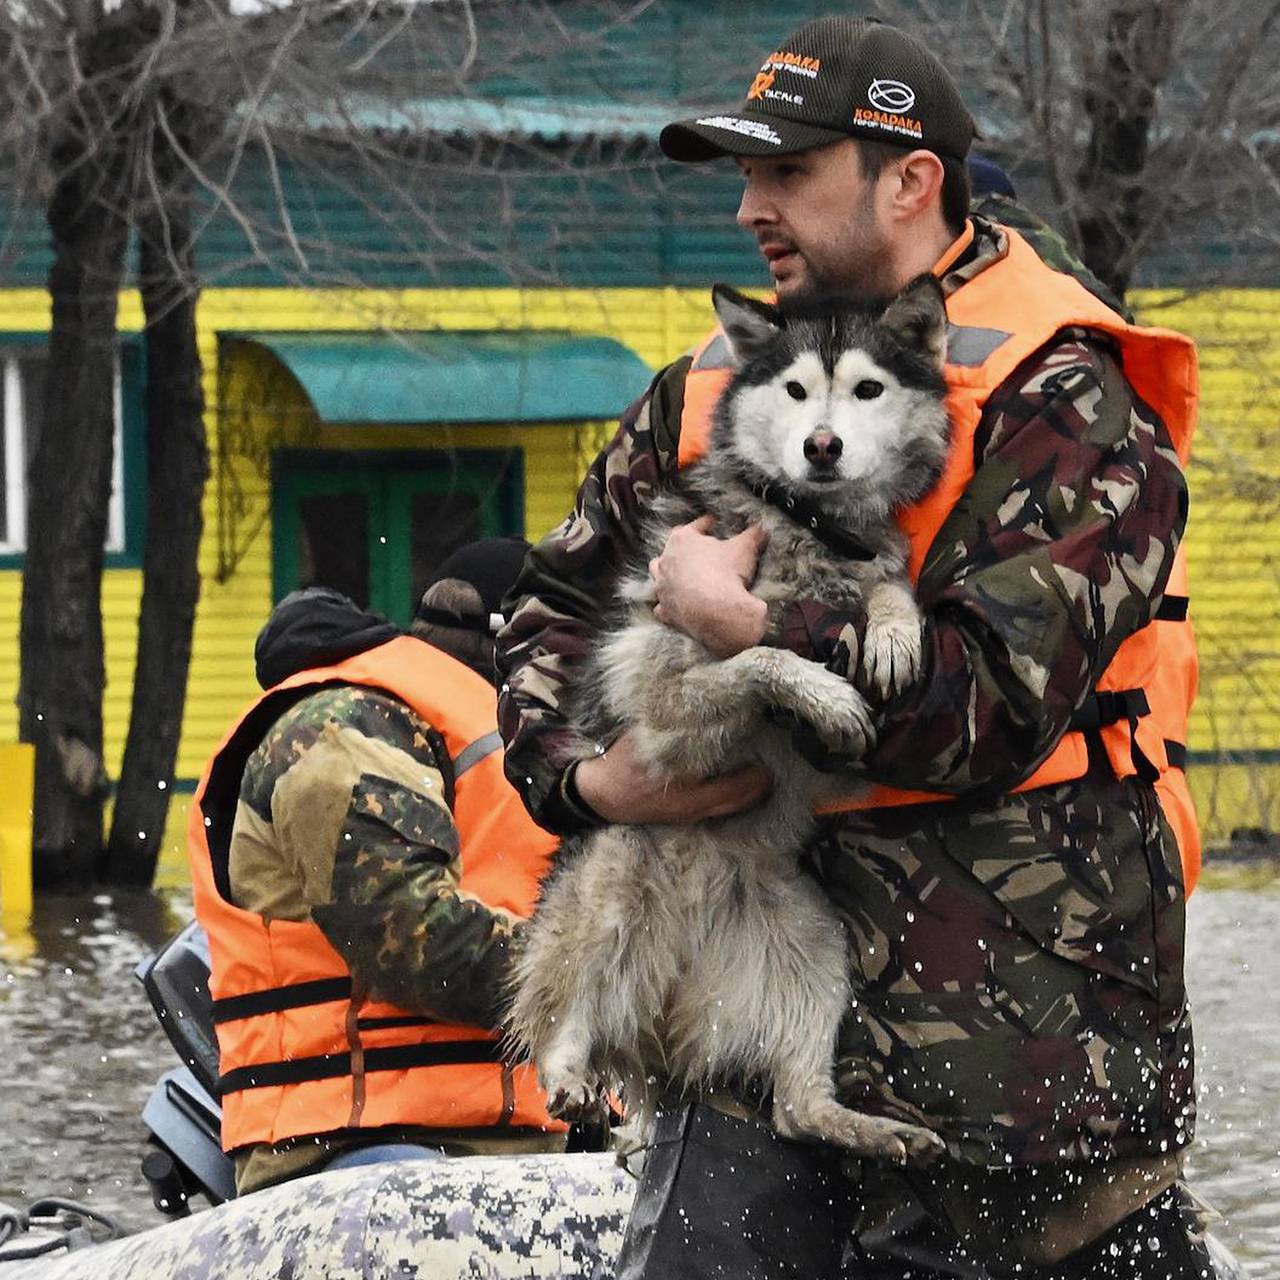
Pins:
<point x="917" y="317"/>
<point x="749" y="326"/>
<point x="920" y="177"/>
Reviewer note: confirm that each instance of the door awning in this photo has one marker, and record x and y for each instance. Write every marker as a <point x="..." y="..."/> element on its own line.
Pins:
<point x="458" y="376"/>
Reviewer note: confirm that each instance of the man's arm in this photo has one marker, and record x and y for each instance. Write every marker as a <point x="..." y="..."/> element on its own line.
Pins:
<point x="343" y="819"/>
<point x="1058" y="551"/>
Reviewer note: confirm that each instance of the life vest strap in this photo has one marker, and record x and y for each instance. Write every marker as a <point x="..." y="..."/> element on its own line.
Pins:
<point x="1176" y="754"/>
<point x="297" y="995"/>
<point x="1110" y="706"/>
<point x="1173" y="609"/>
<point x="330" y="1066"/>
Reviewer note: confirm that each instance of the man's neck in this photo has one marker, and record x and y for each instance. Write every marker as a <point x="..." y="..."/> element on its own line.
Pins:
<point x="928" y="248"/>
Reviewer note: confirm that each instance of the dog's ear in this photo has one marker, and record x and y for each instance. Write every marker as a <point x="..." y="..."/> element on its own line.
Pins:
<point x="748" y="325"/>
<point x="917" y="317"/>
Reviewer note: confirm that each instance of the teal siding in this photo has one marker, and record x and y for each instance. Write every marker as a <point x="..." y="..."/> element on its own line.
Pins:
<point x="555" y="211"/>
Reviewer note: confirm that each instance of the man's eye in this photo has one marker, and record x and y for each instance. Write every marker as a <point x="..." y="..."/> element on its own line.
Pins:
<point x="796" y="390"/>
<point x="868" y="389"/>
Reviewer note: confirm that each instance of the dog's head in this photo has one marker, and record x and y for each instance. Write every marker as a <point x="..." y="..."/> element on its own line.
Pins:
<point x="843" y="402"/>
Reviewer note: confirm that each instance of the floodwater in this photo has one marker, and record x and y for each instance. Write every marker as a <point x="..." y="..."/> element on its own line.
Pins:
<point x="79" y="1050"/>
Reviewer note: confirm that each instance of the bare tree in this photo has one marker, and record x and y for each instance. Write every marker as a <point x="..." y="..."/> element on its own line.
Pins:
<point x="157" y="119"/>
<point x="63" y="675"/>
<point x="177" y="468"/>
<point x="1148" y="131"/>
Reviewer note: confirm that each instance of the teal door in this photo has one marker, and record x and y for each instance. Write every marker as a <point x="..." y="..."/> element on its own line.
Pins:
<point x="375" y="525"/>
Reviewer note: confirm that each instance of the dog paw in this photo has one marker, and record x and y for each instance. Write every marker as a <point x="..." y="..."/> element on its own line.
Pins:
<point x="892" y="653"/>
<point x="875" y="1138"/>
<point x="870" y="1137"/>
<point x="842" y="719"/>
<point x="575" y="1100"/>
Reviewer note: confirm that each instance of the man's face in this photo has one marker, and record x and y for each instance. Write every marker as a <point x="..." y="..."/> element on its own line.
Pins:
<point x="815" y="217"/>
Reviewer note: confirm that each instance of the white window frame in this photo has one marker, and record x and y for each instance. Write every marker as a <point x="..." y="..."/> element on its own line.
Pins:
<point x="13" y="539"/>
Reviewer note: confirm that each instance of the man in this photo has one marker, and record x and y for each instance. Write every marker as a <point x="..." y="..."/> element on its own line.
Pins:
<point x="1013" y="890"/>
<point x="360" y="865"/>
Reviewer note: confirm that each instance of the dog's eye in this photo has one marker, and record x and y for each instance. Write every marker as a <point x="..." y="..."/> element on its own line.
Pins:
<point x="868" y="389"/>
<point x="796" y="390"/>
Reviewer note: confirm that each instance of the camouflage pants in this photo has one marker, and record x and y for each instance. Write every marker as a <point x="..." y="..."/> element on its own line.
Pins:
<point x="897" y="1236"/>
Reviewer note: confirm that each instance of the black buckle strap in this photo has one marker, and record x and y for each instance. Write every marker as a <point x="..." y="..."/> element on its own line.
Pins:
<point x="297" y="995"/>
<point x="1110" y="706"/>
<point x="330" y="1066"/>
<point x="1173" y="609"/>
<point x="1176" y="754"/>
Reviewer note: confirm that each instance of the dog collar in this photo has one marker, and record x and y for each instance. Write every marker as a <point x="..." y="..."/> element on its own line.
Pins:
<point x="810" y="516"/>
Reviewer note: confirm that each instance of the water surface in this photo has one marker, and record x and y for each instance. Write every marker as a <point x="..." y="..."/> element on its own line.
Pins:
<point x="79" y="1051"/>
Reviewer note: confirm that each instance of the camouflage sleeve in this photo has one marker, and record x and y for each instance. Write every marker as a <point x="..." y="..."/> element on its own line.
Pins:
<point x="351" y="786"/>
<point x="555" y="605"/>
<point x="1058" y="550"/>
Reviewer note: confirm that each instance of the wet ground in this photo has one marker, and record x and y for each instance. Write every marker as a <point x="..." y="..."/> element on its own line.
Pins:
<point x="79" y="1050"/>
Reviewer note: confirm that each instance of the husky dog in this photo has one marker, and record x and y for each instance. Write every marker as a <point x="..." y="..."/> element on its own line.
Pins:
<point x="704" y="954"/>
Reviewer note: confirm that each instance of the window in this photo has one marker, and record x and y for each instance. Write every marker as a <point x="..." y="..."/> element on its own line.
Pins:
<point x="22" y="374"/>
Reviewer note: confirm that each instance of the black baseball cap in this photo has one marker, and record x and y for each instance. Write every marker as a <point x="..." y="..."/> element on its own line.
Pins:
<point x="835" y="78"/>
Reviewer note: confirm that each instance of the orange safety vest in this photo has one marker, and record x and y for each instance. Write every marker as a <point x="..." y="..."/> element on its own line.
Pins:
<point x="997" y="320"/>
<point x="302" y="1052"/>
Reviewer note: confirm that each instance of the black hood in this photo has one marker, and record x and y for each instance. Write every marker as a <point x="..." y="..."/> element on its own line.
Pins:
<point x="314" y="628"/>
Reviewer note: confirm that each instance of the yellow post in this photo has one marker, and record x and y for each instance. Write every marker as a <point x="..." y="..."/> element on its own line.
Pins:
<point x="17" y="789"/>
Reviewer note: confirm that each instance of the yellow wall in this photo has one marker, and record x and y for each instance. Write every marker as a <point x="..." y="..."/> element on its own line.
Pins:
<point x="1234" y="542"/>
<point x="655" y="323"/>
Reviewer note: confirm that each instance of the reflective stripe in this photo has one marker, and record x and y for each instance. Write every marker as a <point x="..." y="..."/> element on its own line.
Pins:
<point x="297" y="995"/>
<point x="716" y="355"/>
<point x="480" y="749"/>
<point x="329" y="1066"/>
<point x="970" y="346"/>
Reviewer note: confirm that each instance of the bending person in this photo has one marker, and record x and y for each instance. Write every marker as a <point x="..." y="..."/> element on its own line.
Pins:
<point x="360" y="865"/>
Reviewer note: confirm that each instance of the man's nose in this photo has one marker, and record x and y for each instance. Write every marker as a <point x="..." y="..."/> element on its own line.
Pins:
<point x="753" y="209"/>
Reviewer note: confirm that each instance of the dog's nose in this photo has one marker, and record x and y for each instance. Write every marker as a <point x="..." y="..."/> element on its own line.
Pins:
<point x="823" y="448"/>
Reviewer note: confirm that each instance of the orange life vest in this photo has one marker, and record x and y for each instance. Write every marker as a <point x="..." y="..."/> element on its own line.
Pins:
<point x="1004" y="315"/>
<point x="301" y="1051"/>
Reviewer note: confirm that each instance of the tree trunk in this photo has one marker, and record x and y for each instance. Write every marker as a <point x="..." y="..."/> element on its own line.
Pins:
<point x="1121" y="105"/>
<point x="177" y="468"/>
<point x="69" y="482"/>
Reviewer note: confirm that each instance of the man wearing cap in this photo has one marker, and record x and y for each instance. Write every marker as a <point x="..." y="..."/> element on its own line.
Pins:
<point x="360" y="865"/>
<point x="1014" y="884"/>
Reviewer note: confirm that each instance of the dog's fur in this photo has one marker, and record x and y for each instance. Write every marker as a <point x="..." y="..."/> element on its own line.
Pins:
<point x="703" y="953"/>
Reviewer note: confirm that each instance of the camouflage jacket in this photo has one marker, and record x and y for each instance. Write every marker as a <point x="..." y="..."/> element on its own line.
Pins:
<point x="1017" y="958"/>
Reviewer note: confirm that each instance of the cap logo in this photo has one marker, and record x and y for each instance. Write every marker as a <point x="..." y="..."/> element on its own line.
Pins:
<point x="797" y="63"/>
<point x="755" y="129"/>
<point x="762" y="83"/>
<point x="891" y="95"/>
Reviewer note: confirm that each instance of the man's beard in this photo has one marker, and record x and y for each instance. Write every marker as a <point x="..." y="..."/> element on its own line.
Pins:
<point x="869" y="275"/>
<point x="866" y="271"/>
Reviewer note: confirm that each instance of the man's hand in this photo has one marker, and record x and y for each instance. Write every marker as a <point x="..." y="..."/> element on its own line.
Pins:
<point x="701" y="583"/>
<point x="619" y="787"/>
